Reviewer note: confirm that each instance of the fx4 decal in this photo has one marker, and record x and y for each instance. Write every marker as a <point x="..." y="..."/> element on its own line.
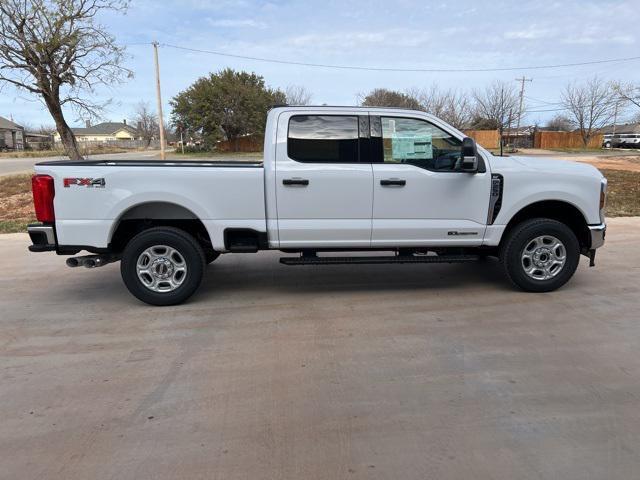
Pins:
<point x="84" y="182"/>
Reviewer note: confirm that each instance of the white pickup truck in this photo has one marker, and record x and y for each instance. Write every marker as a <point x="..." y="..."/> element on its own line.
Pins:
<point x="333" y="179"/>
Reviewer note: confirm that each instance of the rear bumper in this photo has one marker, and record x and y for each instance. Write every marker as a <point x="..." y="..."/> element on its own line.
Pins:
<point x="43" y="238"/>
<point x="597" y="235"/>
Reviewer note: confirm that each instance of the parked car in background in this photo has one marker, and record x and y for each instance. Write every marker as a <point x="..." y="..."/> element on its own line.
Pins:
<point x="333" y="179"/>
<point x="621" y="140"/>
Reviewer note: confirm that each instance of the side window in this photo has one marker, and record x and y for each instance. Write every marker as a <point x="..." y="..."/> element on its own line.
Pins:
<point x="323" y="139"/>
<point x="419" y="143"/>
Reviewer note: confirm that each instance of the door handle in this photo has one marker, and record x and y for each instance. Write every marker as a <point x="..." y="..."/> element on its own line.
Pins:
<point x="393" y="182"/>
<point x="295" y="181"/>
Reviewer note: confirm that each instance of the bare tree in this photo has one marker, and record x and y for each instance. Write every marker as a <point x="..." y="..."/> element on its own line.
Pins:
<point x="55" y="49"/>
<point x="497" y="104"/>
<point x="298" y="95"/>
<point x="559" y="123"/>
<point x="628" y="93"/>
<point x="590" y="106"/>
<point x="381" y="97"/>
<point x="452" y="106"/>
<point x="146" y="123"/>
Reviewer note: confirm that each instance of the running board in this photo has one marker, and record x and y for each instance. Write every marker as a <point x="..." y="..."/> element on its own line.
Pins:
<point x="312" y="260"/>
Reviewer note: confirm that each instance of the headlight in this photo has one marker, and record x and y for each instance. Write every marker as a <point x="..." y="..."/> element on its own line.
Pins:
<point x="603" y="194"/>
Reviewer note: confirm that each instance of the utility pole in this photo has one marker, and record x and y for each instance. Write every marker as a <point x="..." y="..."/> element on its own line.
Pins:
<point x="521" y="80"/>
<point x="158" y="94"/>
<point x="615" y="117"/>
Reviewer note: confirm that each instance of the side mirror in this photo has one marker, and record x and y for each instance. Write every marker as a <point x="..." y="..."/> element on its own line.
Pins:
<point x="469" y="156"/>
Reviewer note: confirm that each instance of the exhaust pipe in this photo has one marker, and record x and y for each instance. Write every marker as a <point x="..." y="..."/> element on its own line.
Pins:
<point x="91" y="261"/>
<point x="73" y="262"/>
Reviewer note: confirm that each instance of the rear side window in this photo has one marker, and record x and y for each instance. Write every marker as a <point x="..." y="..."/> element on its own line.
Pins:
<point x="323" y="139"/>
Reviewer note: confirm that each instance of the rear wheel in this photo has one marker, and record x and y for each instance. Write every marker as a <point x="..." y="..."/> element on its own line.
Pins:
<point x="162" y="266"/>
<point x="540" y="255"/>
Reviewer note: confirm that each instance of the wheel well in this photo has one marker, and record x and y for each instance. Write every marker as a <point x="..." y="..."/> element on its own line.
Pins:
<point x="157" y="214"/>
<point x="557" y="210"/>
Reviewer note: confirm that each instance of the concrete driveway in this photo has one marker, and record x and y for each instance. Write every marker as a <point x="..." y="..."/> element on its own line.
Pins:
<point x="344" y="372"/>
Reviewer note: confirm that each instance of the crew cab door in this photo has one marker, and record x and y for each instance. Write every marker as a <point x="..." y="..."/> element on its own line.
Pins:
<point x="419" y="196"/>
<point x="323" y="190"/>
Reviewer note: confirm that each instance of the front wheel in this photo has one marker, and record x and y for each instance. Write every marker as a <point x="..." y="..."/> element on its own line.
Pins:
<point x="540" y="255"/>
<point x="162" y="266"/>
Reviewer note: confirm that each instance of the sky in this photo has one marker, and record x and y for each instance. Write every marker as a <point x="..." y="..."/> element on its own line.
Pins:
<point x="403" y="34"/>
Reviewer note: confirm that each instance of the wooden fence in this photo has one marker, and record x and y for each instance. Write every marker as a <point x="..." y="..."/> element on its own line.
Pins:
<point x="542" y="139"/>
<point x="489" y="139"/>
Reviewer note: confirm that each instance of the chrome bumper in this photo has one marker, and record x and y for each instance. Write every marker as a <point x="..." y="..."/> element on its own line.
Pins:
<point x="597" y="235"/>
<point x="42" y="237"/>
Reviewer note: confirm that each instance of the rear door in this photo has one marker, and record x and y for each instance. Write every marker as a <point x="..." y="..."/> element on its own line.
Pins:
<point x="323" y="189"/>
<point x="419" y="196"/>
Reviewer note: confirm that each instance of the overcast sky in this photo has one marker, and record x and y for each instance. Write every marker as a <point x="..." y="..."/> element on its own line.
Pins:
<point x="392" y="34"/>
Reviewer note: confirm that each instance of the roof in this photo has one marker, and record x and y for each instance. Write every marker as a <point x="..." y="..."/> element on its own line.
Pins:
<point x="524" y="130"/>
<point x="105" y="128"/>
<point x="6" y="124"/>
<point x="43" y="135"/>
<point x="625" y="128"/>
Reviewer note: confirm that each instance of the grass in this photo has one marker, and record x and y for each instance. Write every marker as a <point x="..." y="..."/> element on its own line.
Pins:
<point x="577" y="150"/>
<point x="14" y="226"/>
<point x="623" y="198"/>
<point x="16" y="204"/>
<point x="60" y="153"/>
<point x="215" y="155"/>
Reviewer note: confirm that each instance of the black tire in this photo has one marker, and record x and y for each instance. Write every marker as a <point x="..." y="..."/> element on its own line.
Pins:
<point x="210" y="255"/>
<point x="190" y="254"/>
<point x="522" y="236"/>
<point x="607" y="145"/>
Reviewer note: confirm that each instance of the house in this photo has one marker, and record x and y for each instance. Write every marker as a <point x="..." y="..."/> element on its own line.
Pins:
<point x="107" y="132"/>
<point x="11" y="135"/>
<point x="519" y="137"/>
<point x="632" y="128"/>
<point x="38" y="141"/>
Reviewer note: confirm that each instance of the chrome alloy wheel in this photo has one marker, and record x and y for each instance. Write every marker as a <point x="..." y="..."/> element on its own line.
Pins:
<point x="161" y="268"/>
<point x="544" y="257"/>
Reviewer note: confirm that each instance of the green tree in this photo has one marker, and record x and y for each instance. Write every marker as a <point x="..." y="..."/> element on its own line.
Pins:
<point x="226" y="104"/>
<point x="382" y="97"/>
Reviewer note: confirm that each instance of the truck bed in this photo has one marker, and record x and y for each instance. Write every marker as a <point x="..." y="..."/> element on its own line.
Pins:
<point x="92" y="197"/>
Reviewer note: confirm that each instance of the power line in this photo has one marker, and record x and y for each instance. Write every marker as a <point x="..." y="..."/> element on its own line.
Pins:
<point x="386" y="69"/>
<point x="545" y="102"/>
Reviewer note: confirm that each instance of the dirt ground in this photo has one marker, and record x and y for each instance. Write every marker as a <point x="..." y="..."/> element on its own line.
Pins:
<point x="353" y="372"/>
<point x="629" y="161"/>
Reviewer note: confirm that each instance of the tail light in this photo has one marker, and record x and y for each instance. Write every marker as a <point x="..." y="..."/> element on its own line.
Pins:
<point x="43" y="193"/>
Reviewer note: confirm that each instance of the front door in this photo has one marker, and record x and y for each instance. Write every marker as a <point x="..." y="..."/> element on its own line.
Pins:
<point x="324" y="192"/>
<point x="419" y="197"/>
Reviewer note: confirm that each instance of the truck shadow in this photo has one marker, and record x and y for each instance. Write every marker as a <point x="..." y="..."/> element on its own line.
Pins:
<point x="230" y="274"/>
<point x="241" y="278"/>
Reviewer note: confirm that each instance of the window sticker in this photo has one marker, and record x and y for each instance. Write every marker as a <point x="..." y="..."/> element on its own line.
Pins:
<point x="411" y="147"/>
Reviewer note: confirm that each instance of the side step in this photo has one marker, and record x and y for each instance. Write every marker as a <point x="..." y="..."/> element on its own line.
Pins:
<point x="313" y="260"/>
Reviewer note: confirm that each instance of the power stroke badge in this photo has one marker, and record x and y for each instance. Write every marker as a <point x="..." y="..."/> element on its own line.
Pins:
<point x="84" y="182"/>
